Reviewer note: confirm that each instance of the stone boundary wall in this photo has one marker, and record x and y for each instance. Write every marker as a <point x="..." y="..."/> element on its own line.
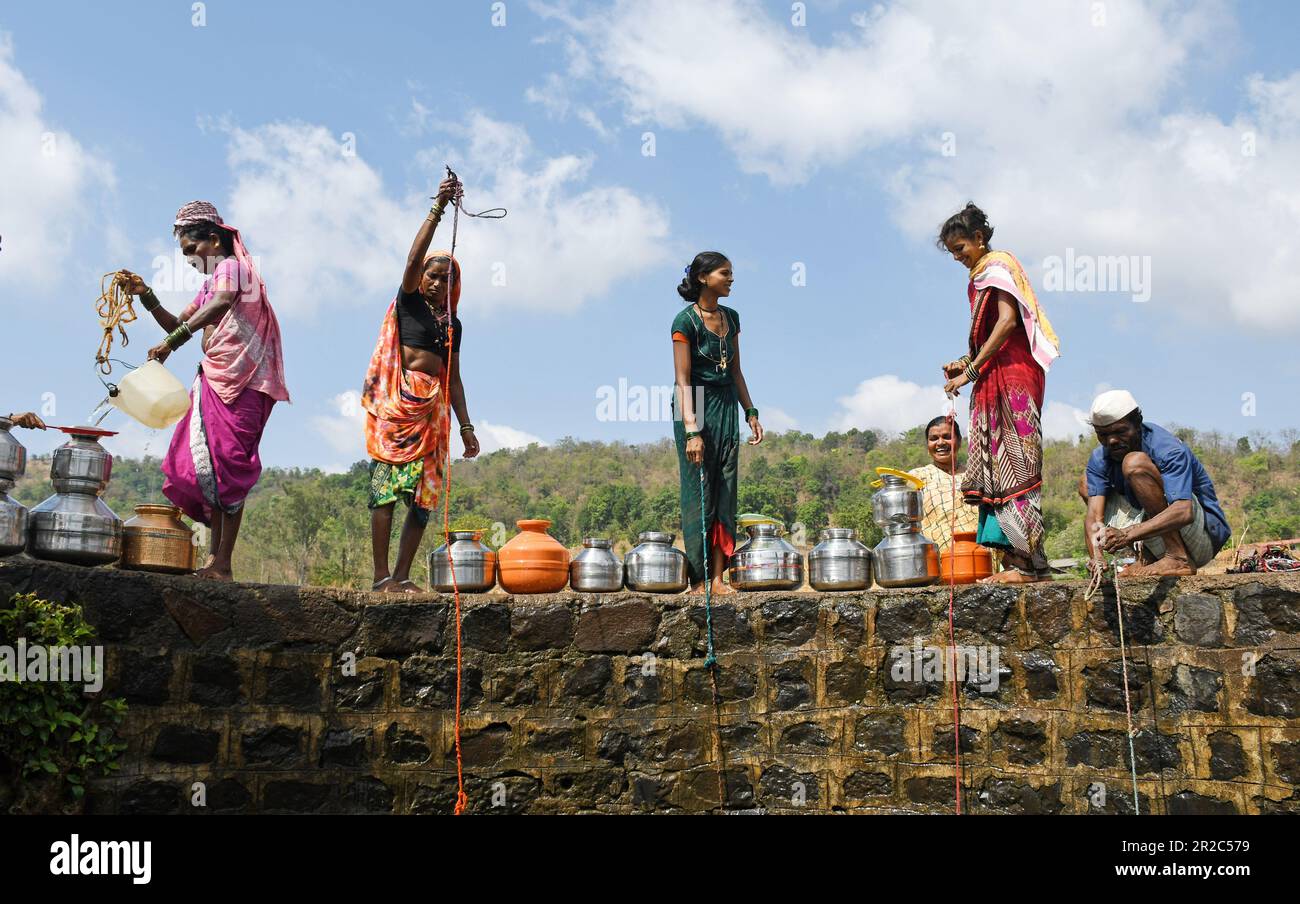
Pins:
<point x="601" y="703"/>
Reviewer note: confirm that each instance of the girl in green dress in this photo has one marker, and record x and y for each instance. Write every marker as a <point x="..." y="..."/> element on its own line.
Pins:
<point x="710" y="385"/>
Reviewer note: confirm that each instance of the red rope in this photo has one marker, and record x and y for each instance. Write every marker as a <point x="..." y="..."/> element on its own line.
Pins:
<point x="952" y="601"/>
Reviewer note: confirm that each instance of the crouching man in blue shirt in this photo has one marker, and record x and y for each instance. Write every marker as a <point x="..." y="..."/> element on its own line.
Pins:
<point x="1144" y="485"/>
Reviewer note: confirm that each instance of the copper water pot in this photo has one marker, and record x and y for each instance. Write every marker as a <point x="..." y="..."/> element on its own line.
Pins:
<point x="157" y="540"/>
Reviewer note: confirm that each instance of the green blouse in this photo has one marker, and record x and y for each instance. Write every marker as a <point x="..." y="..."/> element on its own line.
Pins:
<point x="707" y="348"/>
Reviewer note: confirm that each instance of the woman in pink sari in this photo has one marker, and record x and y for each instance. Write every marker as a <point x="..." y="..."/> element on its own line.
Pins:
<point x="213" y="462"/>
<point x="1011" y="347"/>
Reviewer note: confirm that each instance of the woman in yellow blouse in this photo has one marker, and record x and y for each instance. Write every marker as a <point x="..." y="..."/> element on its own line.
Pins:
<point x="943" y="442"/>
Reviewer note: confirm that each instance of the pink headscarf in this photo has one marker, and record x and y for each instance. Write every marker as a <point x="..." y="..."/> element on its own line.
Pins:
<point x="245" y="351"/>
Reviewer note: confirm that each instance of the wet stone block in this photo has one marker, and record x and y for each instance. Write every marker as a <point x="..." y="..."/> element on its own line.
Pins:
<point x="1263" y="611"/>
<point x="790" y="622"/>
<point x="1193" y="690"/>
<point x="1022" y="739"/>
<point x="1189" y="803"/>
<point x="348" y="747"/>
<point x="846" y="681"/>
<point x="1008" y="796"/>
<point x="1198" y="619"/>
<point x="699" y="790"/>
<point x="863" y="784"/>
<point x="431" y="682"/>
<point x="906" y="678"/>
<point x="228" y="796"/>
<point x="1275" y="688"/>
<point x="486" y="628"/>
<point x="807" y="738"/>
<point x="985" y="610"/>
<point x="743" y="737"/>
<point x="782" y="787"/>
<point x="513" y="686"/>
<point x="1104" y="684"/>
<point x="278" y="746"/>
<point x="1141" y="620"/>
<point x="732" y="629"/>
<point x="1047" y="609"/>
<point x="1286" y="761"/>
<point x="932" y="791"/>
<point x="214" y="681"/>
<point x="791" y="684"/>
<point x="849" y="628"/>
<point x="294" y="796"/>
<point x="185" y="744"/>
<point x="898" y="620"/>
<point x="942" y="738"/>
<point x="404" y="745"/>
<point x="150" y="798"/>
<point x="361" y="692"/>
<point x="543" y="628"/>
<point x="367" y="795"/>
<point x="618" y="627"/>
<point x="882" y="732"/>
<point x="639" y="689"/>
<point x="588" y="680"/>
<point x="1227" y="759"/>
<point x="298" y="687"/>
<point x="735" y="682"/>
<point x="591" y="787"/>
<point x="561" y="742"/>
<point x="1040" y="674"/>
<point x="394" y="630"/>
<point x="142" y="679"/>
<point x="483" y="747"/>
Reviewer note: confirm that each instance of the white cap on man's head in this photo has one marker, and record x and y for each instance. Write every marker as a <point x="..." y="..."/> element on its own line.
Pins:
<point x="1112" y="406"/>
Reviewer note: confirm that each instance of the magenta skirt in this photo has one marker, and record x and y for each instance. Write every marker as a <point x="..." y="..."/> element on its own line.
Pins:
<point x="213" y="462"/>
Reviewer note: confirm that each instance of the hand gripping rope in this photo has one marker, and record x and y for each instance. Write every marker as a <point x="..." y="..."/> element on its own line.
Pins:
<point x="496" y="213"/>
<point x="114" y="306"/>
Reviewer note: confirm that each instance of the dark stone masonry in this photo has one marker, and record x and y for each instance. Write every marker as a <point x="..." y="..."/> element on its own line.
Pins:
<point x="317" y="700"/>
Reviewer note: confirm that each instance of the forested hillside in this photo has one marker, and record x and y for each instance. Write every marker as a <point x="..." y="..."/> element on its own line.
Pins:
<point x="310" y="527"/>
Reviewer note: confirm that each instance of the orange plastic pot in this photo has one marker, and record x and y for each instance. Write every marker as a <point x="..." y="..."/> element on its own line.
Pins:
<point x="967" y="559"/>
<point x="533" y="561"/>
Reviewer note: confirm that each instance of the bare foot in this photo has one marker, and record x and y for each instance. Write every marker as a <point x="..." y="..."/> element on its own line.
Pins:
<point x="721" y="589"/>
<point x="381" y="585"/>
<point x="213" y="573"/>
<point x="1166" y="567"/>
<point x="407" y="586"/>
<point x="1012" y="576"/>
<point x="694" y="589"/>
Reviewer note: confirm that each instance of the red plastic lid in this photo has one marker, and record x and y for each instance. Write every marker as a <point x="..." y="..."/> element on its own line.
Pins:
<point x="85" y="431"/>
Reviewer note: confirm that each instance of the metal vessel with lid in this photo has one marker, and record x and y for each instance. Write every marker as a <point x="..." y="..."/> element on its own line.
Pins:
<point x="13" y="514"/>
<point x="655" y="565"/>
<point x="474" y="560"/>
<point x="766" y="562"/>
<point x="596" y="569"/>
<point x="904" y="557"/>
<point x="75" y="525"/>
<point x="839" y="561"/>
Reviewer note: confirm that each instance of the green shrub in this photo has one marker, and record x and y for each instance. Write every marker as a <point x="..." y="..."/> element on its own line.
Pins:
<point x="54" y="736"/>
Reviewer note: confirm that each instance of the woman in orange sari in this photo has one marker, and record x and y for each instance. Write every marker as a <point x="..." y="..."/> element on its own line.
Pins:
<point x="1012" y="345"/>
<point x="414" y="374"/>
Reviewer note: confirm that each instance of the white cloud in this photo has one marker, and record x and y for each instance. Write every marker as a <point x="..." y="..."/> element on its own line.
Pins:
<point x="492" y="437"/>
<point x="774" y="419"/>
<point x="1061" y="127"/>
<point x="328" y="229"/>
<point x="343" y="431"/>
<point x="1062" y="421"/>
<point x="891" y="404"/>
<point x="50" y="186"/>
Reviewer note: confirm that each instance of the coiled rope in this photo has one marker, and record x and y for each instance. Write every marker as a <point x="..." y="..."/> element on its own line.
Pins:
<point x="115" y="310"/>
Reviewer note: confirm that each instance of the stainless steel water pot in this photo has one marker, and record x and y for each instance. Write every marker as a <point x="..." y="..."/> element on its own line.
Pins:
<point x="475" y="561"/>
<point x="595" y="568"/>
<point x="766" y="562"/>
<point x="839" y="561"/>
<point x="655" y="565"/>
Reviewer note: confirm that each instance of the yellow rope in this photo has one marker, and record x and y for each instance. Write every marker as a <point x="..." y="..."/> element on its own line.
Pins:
<point x="115" y="310"/>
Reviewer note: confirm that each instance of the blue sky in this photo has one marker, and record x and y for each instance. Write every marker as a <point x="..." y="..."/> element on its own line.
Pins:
<point x="1166" y="133"/>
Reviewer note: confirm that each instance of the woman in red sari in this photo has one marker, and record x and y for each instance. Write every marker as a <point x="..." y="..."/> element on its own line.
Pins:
<point x="1012" y="345"/>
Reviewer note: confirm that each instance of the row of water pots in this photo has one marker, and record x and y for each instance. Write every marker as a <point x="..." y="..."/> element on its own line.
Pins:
<point x="534" y="562"/>
<point x="75" y="525"/>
